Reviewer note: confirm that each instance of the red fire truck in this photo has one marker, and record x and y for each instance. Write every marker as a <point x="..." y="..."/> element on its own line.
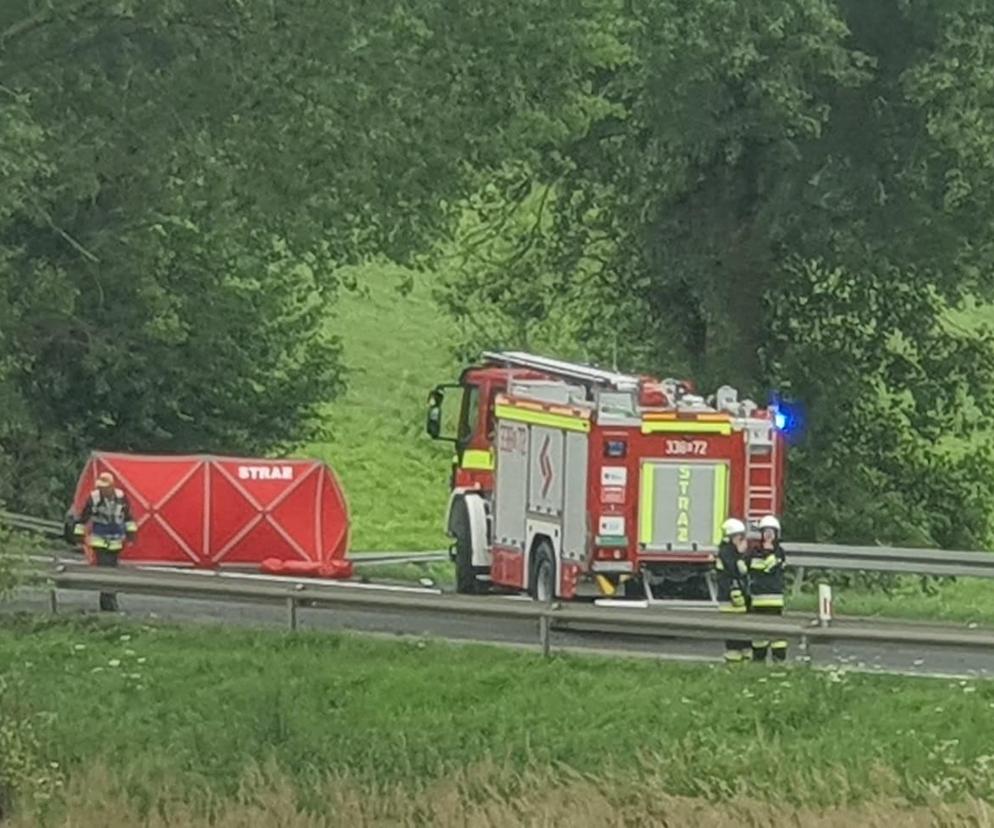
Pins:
<point x="573" y="481"/>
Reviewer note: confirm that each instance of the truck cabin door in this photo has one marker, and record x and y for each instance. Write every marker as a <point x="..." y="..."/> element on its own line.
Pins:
<point x="468" y="430"/>
<point x="475" y="452"/>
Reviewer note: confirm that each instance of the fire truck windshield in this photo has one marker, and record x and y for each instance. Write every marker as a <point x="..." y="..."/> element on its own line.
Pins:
<point x="469" y="415"/>
<point x="617" y="403"/>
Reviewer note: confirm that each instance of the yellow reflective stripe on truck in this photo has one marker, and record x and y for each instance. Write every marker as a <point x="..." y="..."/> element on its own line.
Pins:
<point x="646" y="505"/>
<point x="686" y="427"/>
<point x="720" y="500"/>
<point x="477" y="460"/>
<point x="542" y="418"/>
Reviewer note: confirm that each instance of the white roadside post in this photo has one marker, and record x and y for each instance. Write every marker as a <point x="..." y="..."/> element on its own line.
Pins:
<point x="824" y="604"/>
<point x="291" y="613"/>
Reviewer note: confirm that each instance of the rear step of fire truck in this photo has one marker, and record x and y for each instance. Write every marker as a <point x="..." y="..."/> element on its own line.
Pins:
<point x="650" y="601"/>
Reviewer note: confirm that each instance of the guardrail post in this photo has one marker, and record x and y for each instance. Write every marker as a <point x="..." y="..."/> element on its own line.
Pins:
<point x="795" y="588"/>
<point x="824" y="604"/>
<point x="291" y="613"/>
<point x="53" y="601"/>
<point x="544" y="638"/>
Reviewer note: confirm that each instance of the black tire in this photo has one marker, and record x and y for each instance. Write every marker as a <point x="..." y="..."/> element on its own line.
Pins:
<point x="466" y="583"/>
<point x="543" y="581"/>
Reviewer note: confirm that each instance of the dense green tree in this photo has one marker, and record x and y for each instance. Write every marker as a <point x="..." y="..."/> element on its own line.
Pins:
<point x="182" y="179"/>
<point x="786" y="194"/>
<point x="769" y="192"/>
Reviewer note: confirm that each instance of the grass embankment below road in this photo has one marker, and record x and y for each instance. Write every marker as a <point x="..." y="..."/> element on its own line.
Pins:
<point x="266" y="728"/>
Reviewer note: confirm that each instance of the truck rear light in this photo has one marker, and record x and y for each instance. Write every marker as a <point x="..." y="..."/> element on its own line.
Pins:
<point x="615" y="554"/>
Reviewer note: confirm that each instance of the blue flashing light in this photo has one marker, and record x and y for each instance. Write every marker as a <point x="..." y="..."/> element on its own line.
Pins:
<point x="789" y="418"/>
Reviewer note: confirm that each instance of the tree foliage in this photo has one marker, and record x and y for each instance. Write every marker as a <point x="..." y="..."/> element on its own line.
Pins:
<point x="789" y="194"/>
<point x="182" y="179"/>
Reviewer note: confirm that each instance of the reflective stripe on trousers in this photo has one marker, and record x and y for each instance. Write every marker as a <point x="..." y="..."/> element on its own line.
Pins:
<point x="107" y="544"/>
<point x="736" y="651"/>
<point x="107" y="536"/>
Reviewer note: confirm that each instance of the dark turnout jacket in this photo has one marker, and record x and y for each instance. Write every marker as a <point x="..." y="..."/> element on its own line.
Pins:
<point x="766" y="576"/>
<point x="733" y="570"/>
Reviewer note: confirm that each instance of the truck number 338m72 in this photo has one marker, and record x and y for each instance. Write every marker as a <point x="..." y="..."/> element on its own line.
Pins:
<point x="683" y="448"/>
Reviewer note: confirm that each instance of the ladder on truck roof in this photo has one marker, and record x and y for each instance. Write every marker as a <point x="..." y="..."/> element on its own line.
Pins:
<point x="568" y="370"/>
<point x="760" y="477"/>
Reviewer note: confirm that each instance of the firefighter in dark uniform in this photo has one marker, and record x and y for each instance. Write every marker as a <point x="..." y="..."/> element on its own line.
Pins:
<point x="766" y="579"/>
<point x="732" y="568"/>
<point x="108" y="513"/>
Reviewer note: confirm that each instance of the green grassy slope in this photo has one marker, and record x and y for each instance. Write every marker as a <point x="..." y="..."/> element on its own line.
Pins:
<point x="192" y="710"/>
<point x="397" y="347"/>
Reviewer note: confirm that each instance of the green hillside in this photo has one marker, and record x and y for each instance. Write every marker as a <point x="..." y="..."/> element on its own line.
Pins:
<point x="315" y="729"/>
<point x="397" y="345"/>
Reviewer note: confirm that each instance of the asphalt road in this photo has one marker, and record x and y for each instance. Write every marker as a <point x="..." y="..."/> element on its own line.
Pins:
<point x="946" y="662"/>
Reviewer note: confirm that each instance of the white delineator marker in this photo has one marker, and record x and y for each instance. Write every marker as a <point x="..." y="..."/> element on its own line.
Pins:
<point x="824" y="604"/>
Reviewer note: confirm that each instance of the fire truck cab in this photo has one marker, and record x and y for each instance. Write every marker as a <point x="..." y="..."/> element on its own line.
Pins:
<point x="572" y="481"/>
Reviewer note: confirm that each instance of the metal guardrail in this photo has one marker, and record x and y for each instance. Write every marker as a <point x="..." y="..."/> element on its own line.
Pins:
<point x="888" y="559"/>
<point x="384" y="558"/>
<point x="54" y="529"/>
<point x="896" y="560"/>
<point x="41" y="526"/>
<point x="673" y="624"/>
<point x="802" y="556"/>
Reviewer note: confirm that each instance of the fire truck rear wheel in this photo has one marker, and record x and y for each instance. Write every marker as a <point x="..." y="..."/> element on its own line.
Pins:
<point x="543" y="585"/>
<point x="466" y="582"/>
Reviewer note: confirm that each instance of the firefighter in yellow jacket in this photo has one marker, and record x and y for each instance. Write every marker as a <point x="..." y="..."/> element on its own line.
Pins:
<point x="732" y="568"/>
<point x="766" y="582"/>
<point x="108" y="513"/>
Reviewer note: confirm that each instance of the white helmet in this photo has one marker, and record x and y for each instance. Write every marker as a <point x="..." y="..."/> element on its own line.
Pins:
<point x="769" y="522"/>
<point x="733" y="526"/>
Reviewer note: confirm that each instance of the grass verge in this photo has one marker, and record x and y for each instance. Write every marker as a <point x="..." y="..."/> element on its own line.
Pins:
<point x="397" y="346"/>
<point x="440" y="573"/>
<point x="483" y="795"/>
<point x="964" y="601"/>
<point x="178" y="717"/>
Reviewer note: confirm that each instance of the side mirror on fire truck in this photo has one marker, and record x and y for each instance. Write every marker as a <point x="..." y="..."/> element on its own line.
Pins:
<point x="433" y="423"/>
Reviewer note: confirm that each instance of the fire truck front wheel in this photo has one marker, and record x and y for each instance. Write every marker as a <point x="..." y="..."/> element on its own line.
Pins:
<point x="543" y="581"/>
<point x="466" y="582"/>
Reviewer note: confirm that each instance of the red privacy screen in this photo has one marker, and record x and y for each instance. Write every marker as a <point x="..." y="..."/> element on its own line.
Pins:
<point x="210" y="511"/>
